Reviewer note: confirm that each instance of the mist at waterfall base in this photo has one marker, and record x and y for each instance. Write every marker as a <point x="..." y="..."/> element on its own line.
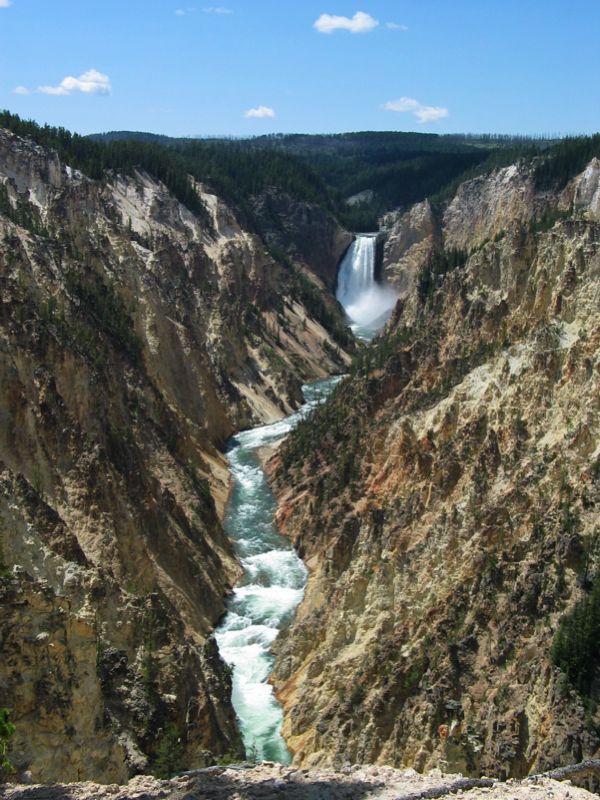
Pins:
<point x="271" y="587"/>
<point x="367" y="303"/>
<point x="274" y="576"/>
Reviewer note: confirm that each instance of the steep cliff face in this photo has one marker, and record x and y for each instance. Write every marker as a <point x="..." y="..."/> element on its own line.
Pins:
<point x="304" y="232"/>
<point x="411" y="238"/>
<point x="446" y="501"/>
<point x="481" y="211"/>
<point x="135" y="337"/>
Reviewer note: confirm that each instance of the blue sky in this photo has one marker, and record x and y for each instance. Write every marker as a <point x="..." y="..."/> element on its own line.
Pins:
<point x="259" y="66"/>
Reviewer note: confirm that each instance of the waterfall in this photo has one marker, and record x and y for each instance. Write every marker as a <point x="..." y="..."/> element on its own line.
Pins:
<point x="367" y="303"/>
<point x="266" y="597"/>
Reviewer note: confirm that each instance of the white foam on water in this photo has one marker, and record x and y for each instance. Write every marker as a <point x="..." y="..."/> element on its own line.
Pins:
<point x="274" y="567"/>
<point x="267" y="604"/>
<point x="372" y="306"/>
<point x="270" y="589"/>
<point x="246" y="636"/>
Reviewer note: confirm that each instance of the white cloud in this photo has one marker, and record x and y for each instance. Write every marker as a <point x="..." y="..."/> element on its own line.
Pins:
<point x="5" y="3"/>
<point x="180" y="12"/>
<point x="217" y="10"/>
<point x="260" y="112"/>
<point x="359" y="23"/>
<point x="393" y="26"/>
<point x="404" y="104"/>
<point x="91" y="82"/>
<point x="421" y="112"/>
<point x="21" y="90"/>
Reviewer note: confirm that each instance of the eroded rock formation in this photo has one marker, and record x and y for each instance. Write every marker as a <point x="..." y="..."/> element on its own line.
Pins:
<point x="446" y="497"/>
<point x="135" y="337"/>
<point x="266" y="781"/>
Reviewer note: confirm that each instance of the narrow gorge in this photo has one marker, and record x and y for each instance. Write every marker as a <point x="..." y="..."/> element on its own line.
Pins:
<point x="265" y="599"/>
<point x="276" y="491"/>
<point x="136" y="337"/>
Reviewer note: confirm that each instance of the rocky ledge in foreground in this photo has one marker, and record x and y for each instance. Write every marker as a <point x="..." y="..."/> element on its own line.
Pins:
<point x="267" y="780"/>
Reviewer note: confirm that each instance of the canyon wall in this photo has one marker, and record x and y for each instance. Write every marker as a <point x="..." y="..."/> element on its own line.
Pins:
<point x="446" y="497"/>
<point x="304" y="233"/>
<point x="135" y="337"/>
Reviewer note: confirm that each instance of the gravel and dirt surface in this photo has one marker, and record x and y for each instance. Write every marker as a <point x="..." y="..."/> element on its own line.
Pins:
<point x="266" y="781"/>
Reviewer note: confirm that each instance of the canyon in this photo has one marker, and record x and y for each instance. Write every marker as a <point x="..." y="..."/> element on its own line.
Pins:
<point x="136" y="337"/>
<point x="444" y="498"/>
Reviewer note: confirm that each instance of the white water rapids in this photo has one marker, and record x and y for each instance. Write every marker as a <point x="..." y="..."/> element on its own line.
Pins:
<point x="273" y="582"/>
<point x="272" y="585"/>
<point x="367" y="303"/>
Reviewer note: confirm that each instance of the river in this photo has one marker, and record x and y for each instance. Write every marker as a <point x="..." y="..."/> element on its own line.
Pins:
<point x="271" y="587"/>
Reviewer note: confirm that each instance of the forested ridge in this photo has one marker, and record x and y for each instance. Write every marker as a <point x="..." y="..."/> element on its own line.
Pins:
<point x="235" y="173"/>
<point x="396" y="169"/>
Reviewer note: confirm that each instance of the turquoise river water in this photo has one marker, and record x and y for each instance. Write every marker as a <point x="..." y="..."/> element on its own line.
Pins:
<point x="274" y="577"/>
<point x="272" y="585"/>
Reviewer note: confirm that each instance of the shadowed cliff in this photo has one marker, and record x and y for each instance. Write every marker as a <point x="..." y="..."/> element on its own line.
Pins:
<point x="137" y="333"/>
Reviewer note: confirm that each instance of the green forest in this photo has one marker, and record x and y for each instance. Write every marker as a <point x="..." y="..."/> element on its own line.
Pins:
<point x="396" y="169"/>
<point x="235" y="173"/>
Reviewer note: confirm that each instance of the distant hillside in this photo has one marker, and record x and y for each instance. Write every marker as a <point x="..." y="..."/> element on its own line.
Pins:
<point x="394" y="168"/>
<point x="235" y="173"/>
<point x="140" y="136"/>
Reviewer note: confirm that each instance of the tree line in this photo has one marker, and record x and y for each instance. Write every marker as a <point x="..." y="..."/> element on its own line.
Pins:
<point x="399" y="168"/>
